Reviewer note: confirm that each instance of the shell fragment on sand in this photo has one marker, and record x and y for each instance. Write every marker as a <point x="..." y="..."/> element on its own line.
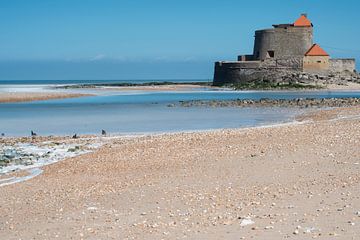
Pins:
<point x="246" y="221"/>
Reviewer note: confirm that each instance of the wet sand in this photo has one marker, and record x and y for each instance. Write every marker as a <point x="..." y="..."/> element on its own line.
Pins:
<point x="297" y="181"/>
<point x="160" y="88"/>
<point x="36" y="96"/>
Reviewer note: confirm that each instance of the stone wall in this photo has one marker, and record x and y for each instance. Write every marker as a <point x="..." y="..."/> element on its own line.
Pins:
<point x="234" y="72"/>
<point x="316" y="64"/>
<point x="342" y="65"/>
<point x="248" y="71"/>
<point x="295" y="63"/>
<point x="245" y="72"/>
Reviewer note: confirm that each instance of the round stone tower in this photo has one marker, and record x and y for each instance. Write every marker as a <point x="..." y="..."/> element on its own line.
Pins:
<point x="284" y="40"/>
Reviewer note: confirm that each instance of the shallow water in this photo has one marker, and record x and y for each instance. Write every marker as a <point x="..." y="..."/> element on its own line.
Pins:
<point x="146" y="112"/>
<point x="32" y="172"/>
<point x="88" y="117"/>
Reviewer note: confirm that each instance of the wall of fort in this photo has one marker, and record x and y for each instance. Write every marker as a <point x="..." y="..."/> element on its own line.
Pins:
<point x="294" y="62"/>
<point x="234" y="72"/>
<point x="316" y="64"/>
<point x="249" y="71"/>
<point x="342" y="65"/>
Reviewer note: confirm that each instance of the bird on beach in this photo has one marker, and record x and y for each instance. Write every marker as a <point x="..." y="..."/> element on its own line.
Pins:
<point x="103" y="132"/>
<point x="33" y="134"/>
<point x="75" y="136"/>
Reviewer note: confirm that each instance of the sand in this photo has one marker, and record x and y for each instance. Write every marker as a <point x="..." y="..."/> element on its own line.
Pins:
<point x="297" y="181"/>
<point x="160" y="88"/>
<point x="35" y="96"/>
<point x="347" y="86"/>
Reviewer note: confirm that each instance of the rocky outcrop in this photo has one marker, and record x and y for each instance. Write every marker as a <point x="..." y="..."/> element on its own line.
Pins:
<point x="265" y="102"/>
<point x="331" y="78"/>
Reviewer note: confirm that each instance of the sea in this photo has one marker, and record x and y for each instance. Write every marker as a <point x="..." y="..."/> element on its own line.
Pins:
<point x="140" y="112"/>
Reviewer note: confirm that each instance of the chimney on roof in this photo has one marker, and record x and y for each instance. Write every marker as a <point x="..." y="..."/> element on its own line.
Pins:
<point x="304" y="14"/>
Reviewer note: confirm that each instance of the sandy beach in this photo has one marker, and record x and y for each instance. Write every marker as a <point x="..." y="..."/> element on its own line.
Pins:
<point x="172" y="120"/>
<point x="297" y="181"/>
<point x="170" y="87"/>
<point x="347" y="86"/>
<point x="36" y="96"/>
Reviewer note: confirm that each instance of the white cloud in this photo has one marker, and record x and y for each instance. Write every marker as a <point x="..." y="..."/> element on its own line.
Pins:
<point x="98" y="57"/>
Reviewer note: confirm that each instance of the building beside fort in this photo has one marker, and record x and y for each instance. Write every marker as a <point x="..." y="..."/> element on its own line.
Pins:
<point x="278" y="53"/>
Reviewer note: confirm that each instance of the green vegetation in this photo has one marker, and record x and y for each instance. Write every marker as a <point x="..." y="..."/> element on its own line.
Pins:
<point x="271" y="86"/>
<point x="124" y="84"/>
<point x="237" y="86"/>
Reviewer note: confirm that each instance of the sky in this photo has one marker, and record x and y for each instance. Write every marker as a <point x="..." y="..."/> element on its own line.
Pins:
<point x="153" y="39"/>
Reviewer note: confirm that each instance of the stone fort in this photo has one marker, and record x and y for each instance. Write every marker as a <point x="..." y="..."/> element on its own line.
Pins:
<point x="285" y="48"/>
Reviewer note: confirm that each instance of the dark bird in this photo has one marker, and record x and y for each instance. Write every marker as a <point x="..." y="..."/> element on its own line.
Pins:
<point x="33" y="134"/>
<point x="103" y="132"/>
<point x="75" y="136"/>
<point x="3" y="134"/>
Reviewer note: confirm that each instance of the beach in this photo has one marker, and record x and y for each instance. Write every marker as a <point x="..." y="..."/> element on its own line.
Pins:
<point x="99" y="89"/>
<point x="176" y="120"/>
<point x="9" y="97"/>
<point x="296" y="181"/>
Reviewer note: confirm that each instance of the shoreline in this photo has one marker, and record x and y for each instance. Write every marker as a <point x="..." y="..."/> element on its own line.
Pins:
<point x="300" y="119"/>
<point x="13" y="97"/>
<point x="200" y="185"/>
<point x="303" y="118"/>
<point x="183" y="86"/>
<point x="297" y="103"/>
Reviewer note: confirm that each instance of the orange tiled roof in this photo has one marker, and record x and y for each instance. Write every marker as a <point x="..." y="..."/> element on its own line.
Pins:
<point x="303" y="21"/>
<point x="316" y="50"/>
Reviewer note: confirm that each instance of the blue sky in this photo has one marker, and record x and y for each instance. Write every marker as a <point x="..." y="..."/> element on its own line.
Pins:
<point x="153" y="39"/>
